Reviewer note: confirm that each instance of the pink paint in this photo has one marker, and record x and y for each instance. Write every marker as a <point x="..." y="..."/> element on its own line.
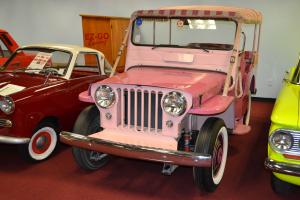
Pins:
<point x="125" y="136"/>
<point x="213" y="106"/>
<point x="241" y="129"/>
<point x="116" y="120"/>
<point x="170" y="57"/>
<point x="85" y="97"/>
<point x="195" y="82"/>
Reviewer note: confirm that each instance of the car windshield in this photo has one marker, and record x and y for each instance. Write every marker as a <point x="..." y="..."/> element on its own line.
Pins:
<point x="4" y="51"/>
<point x="217" y="34"/>
<point x="39" y="60"/>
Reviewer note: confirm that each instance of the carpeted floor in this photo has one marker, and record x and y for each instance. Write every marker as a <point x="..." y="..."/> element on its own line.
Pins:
<point x="60" y="178"/>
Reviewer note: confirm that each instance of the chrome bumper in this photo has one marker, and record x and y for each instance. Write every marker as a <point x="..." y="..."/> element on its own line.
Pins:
<point x="5" y="123"/>
<point x="137" y="152"/>
<point x="282" y="168"/>
<point x="13" y="140"/>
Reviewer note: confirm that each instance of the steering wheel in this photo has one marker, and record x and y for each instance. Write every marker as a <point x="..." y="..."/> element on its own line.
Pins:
<point x="49" y="70"/>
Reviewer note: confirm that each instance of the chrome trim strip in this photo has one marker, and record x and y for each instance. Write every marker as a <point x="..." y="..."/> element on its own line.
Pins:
<point x="283" y="168"/>
<point x="136" y="152"/>
<point x="5" y="123"/>
<point x="13" y="140"/>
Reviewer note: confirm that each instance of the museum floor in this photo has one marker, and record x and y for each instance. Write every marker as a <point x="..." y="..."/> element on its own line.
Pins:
<point x="60" y="178"/>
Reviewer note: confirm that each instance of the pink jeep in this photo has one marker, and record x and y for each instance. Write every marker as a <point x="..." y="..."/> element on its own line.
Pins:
<point x="187" y="84"/>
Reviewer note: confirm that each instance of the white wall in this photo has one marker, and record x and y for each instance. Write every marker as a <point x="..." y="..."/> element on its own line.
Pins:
<point x="35" y="21"/>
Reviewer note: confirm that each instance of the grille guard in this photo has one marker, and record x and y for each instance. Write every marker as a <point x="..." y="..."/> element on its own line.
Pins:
<point x="136" y="152"/>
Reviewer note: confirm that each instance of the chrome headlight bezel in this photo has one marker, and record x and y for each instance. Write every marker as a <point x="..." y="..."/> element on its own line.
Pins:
<point x="105" y="96"/>
<point x="281" y="141"/>
<point x="176" y="98"/>
<point x="7" y="105"/>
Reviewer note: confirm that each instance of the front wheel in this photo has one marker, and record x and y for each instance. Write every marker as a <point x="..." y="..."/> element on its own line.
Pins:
<point x="213" y="140"/>
<point x="88" y="122"/>
<point x="280" y="187"/>
<point x="42" y="143"/>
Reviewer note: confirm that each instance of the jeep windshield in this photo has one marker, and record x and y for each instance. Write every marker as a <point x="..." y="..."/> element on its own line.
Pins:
<point x="196" y="33"/>
<point x="39" y="60"/>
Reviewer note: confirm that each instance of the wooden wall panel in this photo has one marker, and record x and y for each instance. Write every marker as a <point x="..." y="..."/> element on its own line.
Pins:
<point x="97" y="35"/>
<point x="119" y="27"/>
<point x="106" y="35"/>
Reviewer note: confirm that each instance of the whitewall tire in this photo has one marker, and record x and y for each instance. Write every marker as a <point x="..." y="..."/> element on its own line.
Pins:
<point x="219" y="156"/>
<point x="212" y="139"/>
<point x="42" y="143"/>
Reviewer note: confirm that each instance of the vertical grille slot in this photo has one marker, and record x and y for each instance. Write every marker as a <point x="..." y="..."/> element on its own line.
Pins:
<point x="160" y="112"/>
<point x="146" y="108"/>
<point x="141" y="109"/>
<point x="125" y="103"/>
<point x="153" y="108"/>
<point x="132" y="107"/>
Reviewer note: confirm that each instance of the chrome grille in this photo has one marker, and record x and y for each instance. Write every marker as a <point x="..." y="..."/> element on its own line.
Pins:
<point x="141" y="109"/>
<point x="295" y="150"/>
<point x="5" y="123"/>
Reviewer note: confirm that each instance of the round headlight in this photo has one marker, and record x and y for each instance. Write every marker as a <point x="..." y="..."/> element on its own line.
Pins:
<point x="105" y="96"/>
<point x="174" y="103"/>
<point x="281" y="141"/>
<point x="7" y="105"/>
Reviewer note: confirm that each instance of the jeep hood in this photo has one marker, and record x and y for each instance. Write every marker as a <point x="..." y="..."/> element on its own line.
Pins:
<point x="12" y="83"/>
<point x="195" y="82"/>
<point x="286" y="108"/>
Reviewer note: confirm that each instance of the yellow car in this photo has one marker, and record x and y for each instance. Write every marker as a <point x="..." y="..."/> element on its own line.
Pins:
<point x="284" y="135"/>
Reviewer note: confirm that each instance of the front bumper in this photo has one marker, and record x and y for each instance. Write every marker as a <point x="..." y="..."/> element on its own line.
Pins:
<point x="13" y="140"/>
<point x="136" y="152"/>
<point x="282" y="168"/>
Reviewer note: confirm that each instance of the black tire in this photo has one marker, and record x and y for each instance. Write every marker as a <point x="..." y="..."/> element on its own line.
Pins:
<point x="88" y="122"/>
<point x="42" y="143"/>
<point x="213" y="140"/>
<point x="281" y="187"/>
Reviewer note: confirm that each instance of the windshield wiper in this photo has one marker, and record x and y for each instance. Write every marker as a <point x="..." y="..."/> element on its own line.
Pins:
<point x="197" y="46"/>
<point x="203" y="49"/>
<point x="166" y="45"/>
<point x="190" y="46"/>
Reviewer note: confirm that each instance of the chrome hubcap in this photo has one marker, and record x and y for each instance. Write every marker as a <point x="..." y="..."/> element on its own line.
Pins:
<point x="96" y="156"/>
<point x="40" y="142"/>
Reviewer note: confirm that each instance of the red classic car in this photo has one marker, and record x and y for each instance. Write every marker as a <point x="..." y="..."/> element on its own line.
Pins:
<point x="39" y="96"/>
<point x="7" y="46"/>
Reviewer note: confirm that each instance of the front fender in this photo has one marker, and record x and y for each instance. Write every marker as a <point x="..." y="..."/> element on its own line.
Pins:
<point x="86" y="97"/>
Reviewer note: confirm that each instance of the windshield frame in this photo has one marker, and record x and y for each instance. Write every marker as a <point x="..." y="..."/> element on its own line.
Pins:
<point x="295" y="79"/>
<point x="38" y="48"/>
<point x="183" y="47"/>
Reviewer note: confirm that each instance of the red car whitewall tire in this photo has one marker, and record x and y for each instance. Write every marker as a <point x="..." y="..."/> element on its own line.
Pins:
<point x="42" y="143"/>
